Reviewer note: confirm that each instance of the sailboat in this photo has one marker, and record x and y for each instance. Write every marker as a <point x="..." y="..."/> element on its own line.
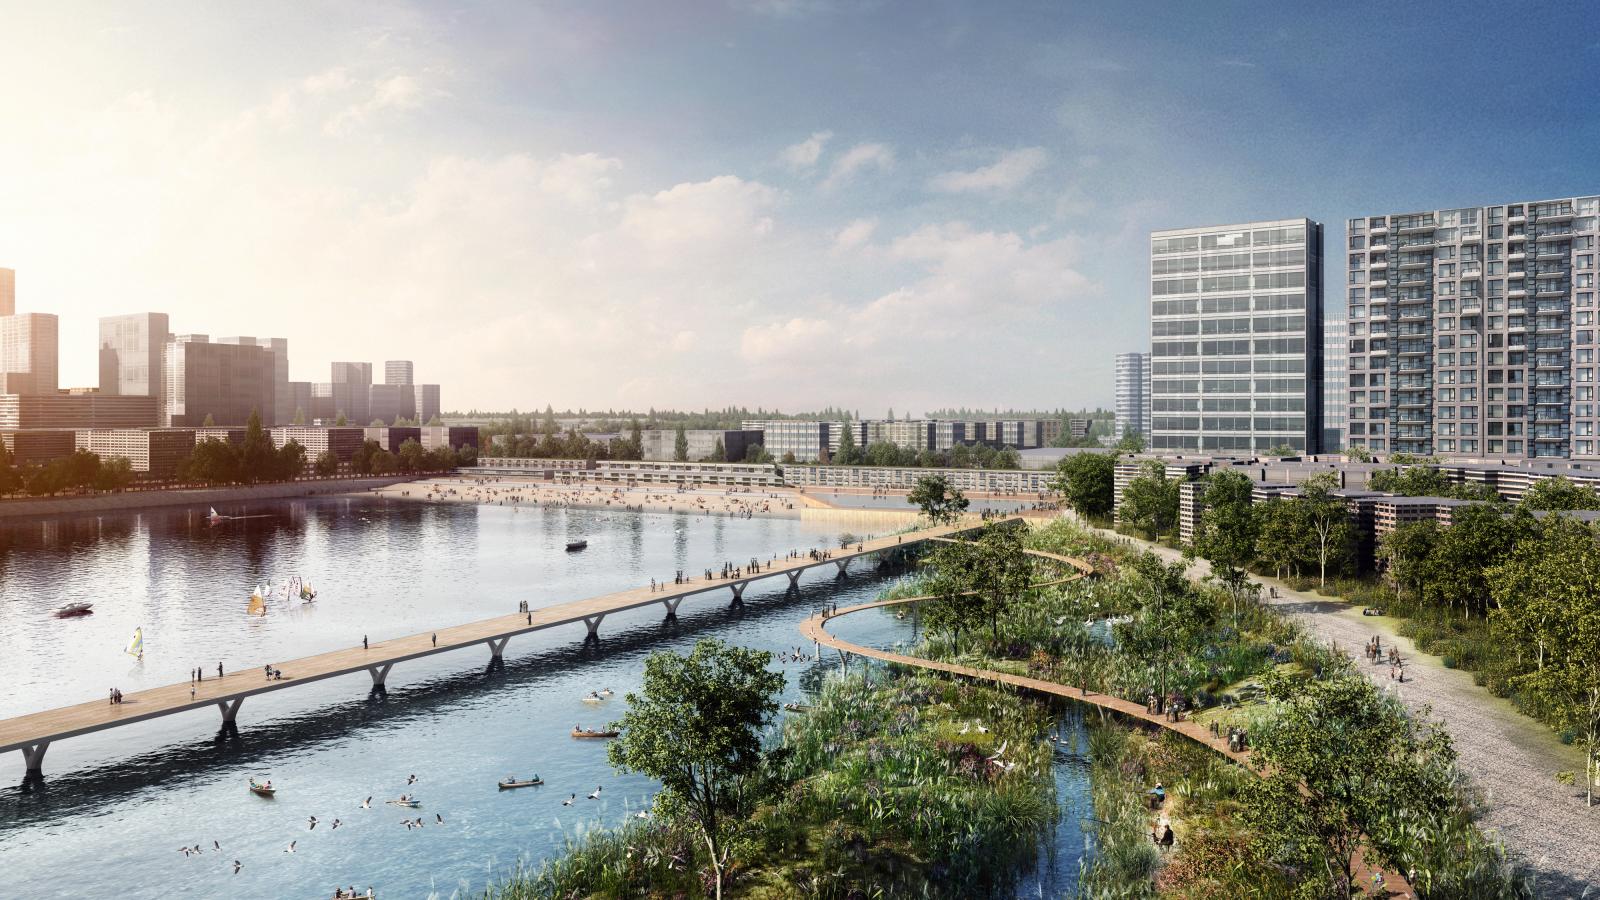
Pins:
<point x="136" y="645"/>
<point x="258" y="604"/>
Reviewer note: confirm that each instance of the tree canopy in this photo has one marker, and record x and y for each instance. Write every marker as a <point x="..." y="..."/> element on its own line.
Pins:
<point x="940" y="502"/>
<point x="1087" y="482"/>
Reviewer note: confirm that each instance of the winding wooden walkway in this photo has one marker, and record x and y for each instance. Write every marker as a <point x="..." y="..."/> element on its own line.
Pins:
<point x="815" y="628"/>
<point x="33" y="733"/>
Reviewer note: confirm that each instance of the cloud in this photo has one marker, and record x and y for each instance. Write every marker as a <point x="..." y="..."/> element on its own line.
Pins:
<point x="796" y="338"/>
<point x="856" y="234"/>
<point x="1008" y="172"/>
<point x="782" y="9"/>
<point x="858" y="159"/>
<point x="805" y="154"/>
<point x="1239" y="63"/>
<point x="396" y="92"/>
<point x="693" y="220"/>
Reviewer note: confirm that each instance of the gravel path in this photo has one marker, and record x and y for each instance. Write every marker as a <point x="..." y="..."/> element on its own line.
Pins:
<point x="1510" y="758"/>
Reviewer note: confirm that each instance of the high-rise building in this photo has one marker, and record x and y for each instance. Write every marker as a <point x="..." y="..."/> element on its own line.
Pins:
<point x="425" y="402"/>
<point x="1472" y="331"/>
<point x="1133" y="395"/>
<point x="1236" y="337"/>
<point x="397" y="371"/>
<point x="28" y="346"/>
<point x="282" y="397"/>
<point x="352" y="387"/>
<point x="130" y="354"/>
<point x="225" y="382"/>
<point x="1335" y="362"/>
<point x="8" y="292"/>
<point x="392" y="401"/>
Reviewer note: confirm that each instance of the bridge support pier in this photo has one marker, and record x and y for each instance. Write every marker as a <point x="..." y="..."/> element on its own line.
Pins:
<point x="379" y="674"/>
<point x="230" y="709"/>
<point x="794" y="577"/>
<point x="33" y="759"/>
<point x="738" y="592"/>
<point x="842" y="564"/>
<point x="593" y="622"/>
<point x="671" y="605"/>
<point x="497" y="646"/>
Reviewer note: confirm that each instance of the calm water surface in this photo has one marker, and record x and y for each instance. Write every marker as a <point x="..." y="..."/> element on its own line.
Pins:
<point x="117" y="805"/>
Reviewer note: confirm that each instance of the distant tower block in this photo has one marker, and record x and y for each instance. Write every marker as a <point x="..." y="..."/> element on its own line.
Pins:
<point x="8" y="292"/>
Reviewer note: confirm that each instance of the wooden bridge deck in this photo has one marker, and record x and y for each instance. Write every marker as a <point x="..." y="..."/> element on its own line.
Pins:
<point x="32" y="733"/>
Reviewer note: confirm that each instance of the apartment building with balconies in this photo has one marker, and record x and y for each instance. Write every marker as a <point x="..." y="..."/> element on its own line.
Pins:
<point x="1472" y="331"/>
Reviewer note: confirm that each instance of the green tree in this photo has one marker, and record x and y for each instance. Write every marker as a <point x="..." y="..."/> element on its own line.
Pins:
<point x="1548" y="595"/>
<point x="958" y="604"/>
<point x="10" y="479"/>
<point x="1404" y="553"/>
<point x="412" y="456"/>
<point x="433" y="420"/>
<point x="788" y="458"/>
<point x="1358" y="454"/>
<point x="1560" y="494"/>
<point x="1227" y="532"/>
<point x="1006" y="458"/>
<point x="1173" y="617"/>
<point x="83" y="468"/>
<point x="1150" y="500"/>
<point x="1338" y="763"/>
<point x="719" y="453"/>
<point x="327" y="463"/>
<point x="847" y="454"/>
<point x="1087" y="481"/>
<point x="1412" y="481"/>
<point x="299" y="416"/>
<point x="547" y="425"/>
<point x="1478" y="537"/>
<point x="341" y="422"/>
<point x="680" y="445"/>
<point x="1131" y="442"/>
<point x="361" y="462"/>
<point x="115" y="474"/>
<point x="212" y="461"/>
<point x="1329" y="521"/>
<point x="256" y="455"/>
<point x="209" y="422"/>
<point x="291" y="461"/>
<point x="696" y="727"/>
<point x="941" y="503"/>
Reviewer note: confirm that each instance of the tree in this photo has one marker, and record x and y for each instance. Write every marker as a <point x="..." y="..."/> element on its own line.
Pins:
<point x="958" y="604"/>
<point x="847" y="454"/>
<point x="1226" y="533"/>
<point x="1006" y="458"/>
<point x="788" y="458"/>
<point x="941" y="503"/>
<point x="361" y="461"/>
<point x="1329" y="521"/>
<point x="719" y="453"/>
<point x="547" y="425"/>
<point x="1358" y="454"/>
<point x="1412" y="481"/>
<point x="680" y="445"/>
<point x="341" y="421"/>
<point x="327" y="464"/>
<point x="1479" y="536"/>
<point x="1560" y="494"/>
<point x="256" y="454"/>
<point x="1337" y="762"/>
<point x="1087" y="481"/>
<point x="412" y="456"/>
<point x="433" y="420"/>
<point x="299" y="416"/>
<point x="1548" y="595"/>
<point x="696" y="727"/>
<point x="10" y="479"/>
<point x="1131" y="442"/>
<point x="1283" y="450"/>
<point x="291" y="461"/>
<point x="1150" y="500"/>
<point x="1405" y="552"/>
<point x="1172" y="618"/>
<point x="209" y="421"/>
<point x="212" y="462"/>
<point x="115" y="474"/>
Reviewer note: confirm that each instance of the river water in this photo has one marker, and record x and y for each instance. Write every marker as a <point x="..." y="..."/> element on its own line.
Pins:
<point x="117" y="805"/>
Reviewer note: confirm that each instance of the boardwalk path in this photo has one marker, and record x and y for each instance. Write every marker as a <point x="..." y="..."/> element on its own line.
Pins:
<point x="815" y="628"/>
<point x="34" y="732"/>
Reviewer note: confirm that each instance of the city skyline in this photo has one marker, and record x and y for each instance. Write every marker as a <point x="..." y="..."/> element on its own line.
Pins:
<point x="782" y="185"/>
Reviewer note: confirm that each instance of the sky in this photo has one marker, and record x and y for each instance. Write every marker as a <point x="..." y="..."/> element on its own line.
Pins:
<point x="778" y="203"/>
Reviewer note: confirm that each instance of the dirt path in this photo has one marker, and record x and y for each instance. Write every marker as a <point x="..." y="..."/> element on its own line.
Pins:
<point x="1510" y="758"/>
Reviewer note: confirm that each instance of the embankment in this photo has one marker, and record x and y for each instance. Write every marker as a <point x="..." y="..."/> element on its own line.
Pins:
<point x="71" y="506"/>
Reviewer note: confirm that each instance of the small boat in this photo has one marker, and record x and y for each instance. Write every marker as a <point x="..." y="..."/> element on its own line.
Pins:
<point x="80" y="608"/>
<point x="590" y="733"/>
<point x="262" y="790"/>
<point x="796" y="707"/>
<point x="574" y="546"/>
<point x="512" y="782"/>
<point x="406" y="802"/>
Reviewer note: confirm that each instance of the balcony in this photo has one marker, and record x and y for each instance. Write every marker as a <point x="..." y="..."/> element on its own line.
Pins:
<point x="1515" y="255"/>
<point x="1471" y="237"/>
<point x="1548" y="291"/>
<point x="1517" y="292"/>
<point x="1517" y="237"/>
<point x="1378" y="229"/>
<point x="1562" y="213"/>
<point x="1379" y="264"/>
<point x="1516" y="220"/>
<point x="1379" y="247"/>
<point x="1416" y="225"/>
<point x="1471" y="272"/>
<point x="1415" y="263"/>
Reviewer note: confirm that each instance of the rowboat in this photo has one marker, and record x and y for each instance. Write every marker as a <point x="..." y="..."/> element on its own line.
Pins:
<point x="576" y="545"/>
<point x="80" y="608"/>
<point x="411" y="803"/>
<point x="588" y="733"/>
<point x="262" y="790"/>
<point x="514" y="783"/>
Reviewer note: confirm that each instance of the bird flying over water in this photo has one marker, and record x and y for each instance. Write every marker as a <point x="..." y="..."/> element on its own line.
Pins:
<point x="313" y="821"/>
<point x="595" y="795"/>
<point x="216" y="846"/>
<point x="290" y="848"/>
<point x="335" y="823"/>
<point x="438" y="818"/>
<point x="237" y="866"/>
<point x="568" y="801"/>
<point x="367" y="803"/>
<point x="411" y="780"/>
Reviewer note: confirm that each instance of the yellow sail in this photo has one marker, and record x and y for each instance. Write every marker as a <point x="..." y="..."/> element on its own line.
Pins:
<point x="136" y="645"/>
<point x="258" y="606"/>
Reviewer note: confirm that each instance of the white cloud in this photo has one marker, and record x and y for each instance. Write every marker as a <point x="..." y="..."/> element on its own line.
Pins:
<point x="856" y="234"/>
<point x="858" y="159"/>
<point x="396" y="92"/>
<point x="1006" y="173"/>
<point x="692" y="221"/>
<point x="805" y="154"/>
<point x="796" y="338"/>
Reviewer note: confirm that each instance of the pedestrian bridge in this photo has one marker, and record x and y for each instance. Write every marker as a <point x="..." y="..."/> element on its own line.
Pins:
<point x="33" y="733"/>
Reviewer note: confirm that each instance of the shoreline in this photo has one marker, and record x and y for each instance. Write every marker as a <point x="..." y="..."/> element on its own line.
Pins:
<point x="502" y="491"/>
<point x="157" y="499"/>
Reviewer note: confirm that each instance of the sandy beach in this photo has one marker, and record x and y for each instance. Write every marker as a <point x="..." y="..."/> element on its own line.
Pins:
<point x="515" y="491"/>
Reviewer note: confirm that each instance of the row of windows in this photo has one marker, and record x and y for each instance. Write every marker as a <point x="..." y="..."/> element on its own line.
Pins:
<point x="1220" y="262"/>
<point x="1218" y="283"/>
<point x="1229" y="240"/>
<point x="1260" y="346"/>
<point x="1261" y="324"/>
<point x="1208" y="305"/>
<point x="1230" y="386"/>
<point x="1229" y="423"/>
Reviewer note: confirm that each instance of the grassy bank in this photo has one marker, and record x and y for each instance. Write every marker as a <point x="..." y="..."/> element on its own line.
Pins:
<point x="881" y="789"/>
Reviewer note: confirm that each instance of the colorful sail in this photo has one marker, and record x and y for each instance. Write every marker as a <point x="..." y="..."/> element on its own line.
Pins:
<point x="258" y="606"/>
<point x="136" y="645"/>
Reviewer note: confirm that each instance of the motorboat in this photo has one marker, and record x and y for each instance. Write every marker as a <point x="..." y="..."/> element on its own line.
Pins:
<point x="262" y="790"/>
<point x="406" y="801"/>
<point x="574" y="546"/>
<point x="80" y="608"/>
<point x="512" y="782"/>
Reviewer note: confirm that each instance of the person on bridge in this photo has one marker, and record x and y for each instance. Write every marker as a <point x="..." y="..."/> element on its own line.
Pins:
<point x="364" y="642"/>
<point x="436" y="639"/>
<point x="219" y="670"/>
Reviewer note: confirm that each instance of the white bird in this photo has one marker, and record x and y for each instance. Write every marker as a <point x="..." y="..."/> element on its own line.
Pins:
<point x="313" y="821"/>
<point x="438" y="819"/>
<point x="367" y="803"/>
<point x="999" y="753"/>
<point x="595" y="795"/>
<point x="216" y="846"/>
<point x="568" y="801"/>
<point x="964" y="728"/>
<point x="641" y="814"/>
<point x="419" y="821"/>
<point x="411" y="780"/>
<point x="982" y="729"/>
<point x="237" y="866"/>
<point x="290" y="848"/>
<point x="335" y="823"/>
<point x="185" y="851"/>
<point x="197" y="849"/>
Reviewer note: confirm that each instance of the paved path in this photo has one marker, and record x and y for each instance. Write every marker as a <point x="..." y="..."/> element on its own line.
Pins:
<point x="815" y="628"/>
<point x="34" y="732"/>
<point x="1510" y="758"/>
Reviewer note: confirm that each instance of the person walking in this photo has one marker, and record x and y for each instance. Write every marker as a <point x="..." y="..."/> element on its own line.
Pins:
<point x="219" y="670"/>
<point x="436" y="639"/>
<point x="364" y="642"/>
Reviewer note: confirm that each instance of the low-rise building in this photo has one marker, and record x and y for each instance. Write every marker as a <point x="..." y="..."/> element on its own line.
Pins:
<point x="1007" y="482"/>
<point x="74" y="411"/>
<point x="630" y="471"/>
<point x="343" y="441"/>
<point x="37" y="446"/>
<point x="156" y="452"/>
